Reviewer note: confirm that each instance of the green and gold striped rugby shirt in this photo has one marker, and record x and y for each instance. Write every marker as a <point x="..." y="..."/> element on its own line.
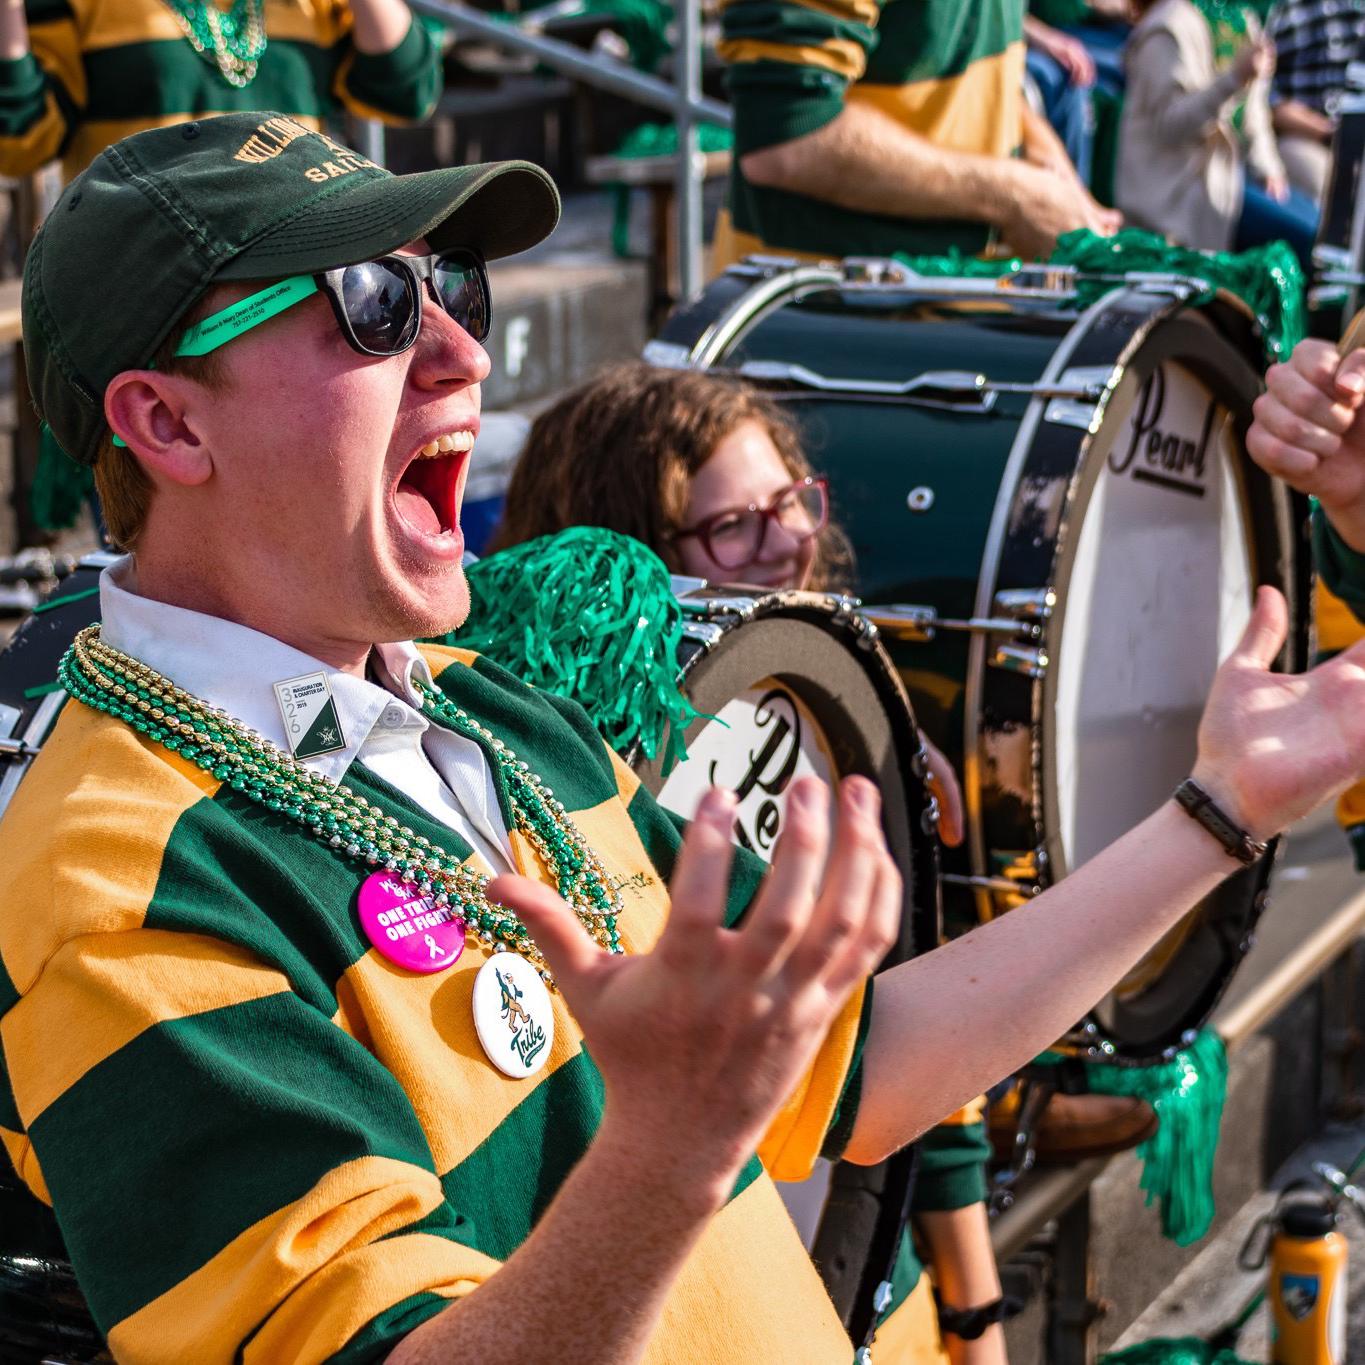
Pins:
<point x="949" y="70"/>
<point x="100" y="70"/>
<point x="263" y="1141"/>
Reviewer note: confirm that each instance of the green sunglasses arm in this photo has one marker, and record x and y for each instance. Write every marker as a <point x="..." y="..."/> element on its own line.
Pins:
<point x="229" y="323"/>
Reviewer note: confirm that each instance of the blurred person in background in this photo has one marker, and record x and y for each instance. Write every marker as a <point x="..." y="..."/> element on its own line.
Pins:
<point x="76" y="75"/>
<point x="1198" y="159"/>
<point x="865" y="129"/>
<point x="1315" y="41"/>
<point x="1063" y="74"/>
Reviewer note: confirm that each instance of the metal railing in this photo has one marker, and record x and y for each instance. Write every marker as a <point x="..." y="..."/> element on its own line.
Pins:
<point x="681" y="98"/>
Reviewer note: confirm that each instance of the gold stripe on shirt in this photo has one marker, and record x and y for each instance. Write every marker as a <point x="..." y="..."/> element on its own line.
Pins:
<point x="978" y="111"/>
<point x="841" y="56"/>
<point x="100" y="991"/>
<point x="102" y="865"/>
<point x="314" y="1272"/>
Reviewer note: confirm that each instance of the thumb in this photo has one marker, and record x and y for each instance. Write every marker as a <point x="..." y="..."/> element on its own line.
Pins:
<point x="568" y="949"/>
<point x="1265" y="633"/>
<point x="1351" y="373"/>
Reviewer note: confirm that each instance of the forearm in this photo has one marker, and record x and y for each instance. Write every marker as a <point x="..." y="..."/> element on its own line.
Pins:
<point x="1294" y="118"/>
<point x="959" y="1243"/>
<point x="1042" y="146"/>
<point x="865" y="161"/>
<point x="13" y="30"/>
<point x="993" y="1000"/>
<point x="589" y="1283"/>
<point x="380" y="25"/>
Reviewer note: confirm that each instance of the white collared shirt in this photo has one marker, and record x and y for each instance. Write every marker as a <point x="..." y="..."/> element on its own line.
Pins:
<point x="230" y="666"/>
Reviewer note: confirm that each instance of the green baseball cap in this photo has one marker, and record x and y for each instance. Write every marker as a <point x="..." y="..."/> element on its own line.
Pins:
<point x="137" y="237"/>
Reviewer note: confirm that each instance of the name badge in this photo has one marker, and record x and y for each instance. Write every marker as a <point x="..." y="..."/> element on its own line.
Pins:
<point x="310" y="715"/>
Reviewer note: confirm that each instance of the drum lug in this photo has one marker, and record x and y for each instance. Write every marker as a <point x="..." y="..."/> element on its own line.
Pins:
<point x="848" y="612"/>
<point x="903" y="621"/>
<point x="1026" y="604"/>
<point x="1030" y="660"/>
<point x="1069" y="410"/>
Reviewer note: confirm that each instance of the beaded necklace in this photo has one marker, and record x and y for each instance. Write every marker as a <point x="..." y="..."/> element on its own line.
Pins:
<point x="339" y="817"/>
<point x="234" y="41"/>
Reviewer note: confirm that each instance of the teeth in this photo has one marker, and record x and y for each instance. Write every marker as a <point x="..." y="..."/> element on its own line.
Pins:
<point x="462" y="441"/>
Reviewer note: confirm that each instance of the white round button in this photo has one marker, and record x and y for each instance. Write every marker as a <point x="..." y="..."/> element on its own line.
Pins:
<point x="513" y="1015"/>
<point x="392" y="717"/>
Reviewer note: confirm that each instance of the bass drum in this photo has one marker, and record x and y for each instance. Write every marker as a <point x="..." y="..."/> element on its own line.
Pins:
<point x="1059" y="534"/>
<point x="787" y="684"/>
<point x="43" y="1315"/>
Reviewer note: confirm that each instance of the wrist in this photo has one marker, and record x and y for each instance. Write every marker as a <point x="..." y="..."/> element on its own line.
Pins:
<point x="691" y="1182"/>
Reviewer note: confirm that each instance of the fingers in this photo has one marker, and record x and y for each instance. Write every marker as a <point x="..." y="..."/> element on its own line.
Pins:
<point x="568" y="949"/>
<point x="1350" y="375"/>
<point x="1265" y="633"/>
<point x="944" y="785"/>
<point x="701" y="880"/>
<point x="845" y="926"/>
<point x="883" y="925"/>
<point x="781" y="912"/>
<point x="1316" y="361"/>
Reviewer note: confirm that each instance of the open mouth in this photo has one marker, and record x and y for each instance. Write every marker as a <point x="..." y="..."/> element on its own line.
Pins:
<point x="428" y="492"/>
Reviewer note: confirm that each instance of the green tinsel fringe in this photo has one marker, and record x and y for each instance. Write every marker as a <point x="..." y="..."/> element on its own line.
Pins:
<point x="587" y="614"/>
<point x="1268" y="279"/>
<point x="1177" y="1161"/>
<point x="61" y="487"/>
<point x="1173" y="1351"/>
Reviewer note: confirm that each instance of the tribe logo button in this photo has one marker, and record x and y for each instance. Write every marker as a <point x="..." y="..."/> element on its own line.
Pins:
<point x="513" y="1015"/>
<point x="408" y="927"/>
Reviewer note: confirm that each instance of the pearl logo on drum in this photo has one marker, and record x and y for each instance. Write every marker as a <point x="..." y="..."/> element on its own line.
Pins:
<point x="1161" y="447"/>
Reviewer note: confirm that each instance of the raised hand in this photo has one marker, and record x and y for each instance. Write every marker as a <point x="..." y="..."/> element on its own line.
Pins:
<point x="1310" y="430"/>
<point x="1274" y="746"/>
<point x="701" y="1040"/>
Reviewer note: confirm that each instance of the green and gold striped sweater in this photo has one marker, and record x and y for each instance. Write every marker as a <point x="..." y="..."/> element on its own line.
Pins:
<point x="949" y="70"/>
<point x="100" y="70"/>
<point x="263" y="1141"/>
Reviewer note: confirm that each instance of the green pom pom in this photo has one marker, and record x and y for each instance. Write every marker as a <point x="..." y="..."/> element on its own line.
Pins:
<point x="588" y="614"/>
<point x="1268" y="279"/>
<point x="1187" y="1093"/>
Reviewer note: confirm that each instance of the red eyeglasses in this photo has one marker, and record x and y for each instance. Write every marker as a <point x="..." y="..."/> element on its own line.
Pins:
<point x="734" y="538"/>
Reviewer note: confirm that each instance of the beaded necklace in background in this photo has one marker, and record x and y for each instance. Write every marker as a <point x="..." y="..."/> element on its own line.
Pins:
<point x="234" y="41"/>
<point x="340" y="818"/>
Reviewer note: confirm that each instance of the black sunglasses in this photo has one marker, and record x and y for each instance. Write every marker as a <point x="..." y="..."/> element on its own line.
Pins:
<point x="378" y="304"/>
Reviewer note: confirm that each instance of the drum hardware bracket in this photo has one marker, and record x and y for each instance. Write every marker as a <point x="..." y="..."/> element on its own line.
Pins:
<point x="906" y="621"/>
<point x="1066" y="411"/>
<point x="17" y="750"/>
<point x="956" y="390"/>
<point x="1000" y="884"/>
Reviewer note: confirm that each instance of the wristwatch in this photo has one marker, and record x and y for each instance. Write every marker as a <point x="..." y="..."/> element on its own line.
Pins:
<point x="1200" y="806"/>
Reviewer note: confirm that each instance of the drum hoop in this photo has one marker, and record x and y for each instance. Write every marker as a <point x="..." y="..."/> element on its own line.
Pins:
<point x="986" y="587"/>
<point x="834" y="617"/>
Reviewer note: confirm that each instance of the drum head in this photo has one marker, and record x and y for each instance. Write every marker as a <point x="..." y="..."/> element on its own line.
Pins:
<point x="1169" y="531"/>
<point x="789" y="693"/>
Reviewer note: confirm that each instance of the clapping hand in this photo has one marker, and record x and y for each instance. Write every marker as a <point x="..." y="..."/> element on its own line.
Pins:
<point x="702" y="1039"/>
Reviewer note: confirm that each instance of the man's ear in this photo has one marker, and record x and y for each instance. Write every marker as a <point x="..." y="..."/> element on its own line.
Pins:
<point x="153" y="415"/>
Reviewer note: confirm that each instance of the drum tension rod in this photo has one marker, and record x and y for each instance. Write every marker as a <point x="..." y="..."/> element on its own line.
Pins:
<point x="17" y="750"/>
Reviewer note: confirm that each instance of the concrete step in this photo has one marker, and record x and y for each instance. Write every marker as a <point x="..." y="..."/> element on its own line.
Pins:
<point x="564" y="310"/>
<point x="559" y="320"/>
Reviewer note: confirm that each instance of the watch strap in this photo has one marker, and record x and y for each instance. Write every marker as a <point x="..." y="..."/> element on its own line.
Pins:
<point x="1200" y="806"/>
<point x="967" y="1324"/>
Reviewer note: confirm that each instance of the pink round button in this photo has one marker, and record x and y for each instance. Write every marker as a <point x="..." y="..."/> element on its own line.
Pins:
<point x="407" y="927"/>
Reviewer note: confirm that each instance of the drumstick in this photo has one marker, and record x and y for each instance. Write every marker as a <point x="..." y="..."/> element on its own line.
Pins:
<point x="1355" y="334"/>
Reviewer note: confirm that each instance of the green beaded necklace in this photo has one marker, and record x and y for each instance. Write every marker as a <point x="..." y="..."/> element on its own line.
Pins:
<point x="234" y="41"/>
<point x="341" y="819"/>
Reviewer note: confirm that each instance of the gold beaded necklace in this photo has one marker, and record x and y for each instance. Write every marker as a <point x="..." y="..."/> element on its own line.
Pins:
<point x="340" y="818"/>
